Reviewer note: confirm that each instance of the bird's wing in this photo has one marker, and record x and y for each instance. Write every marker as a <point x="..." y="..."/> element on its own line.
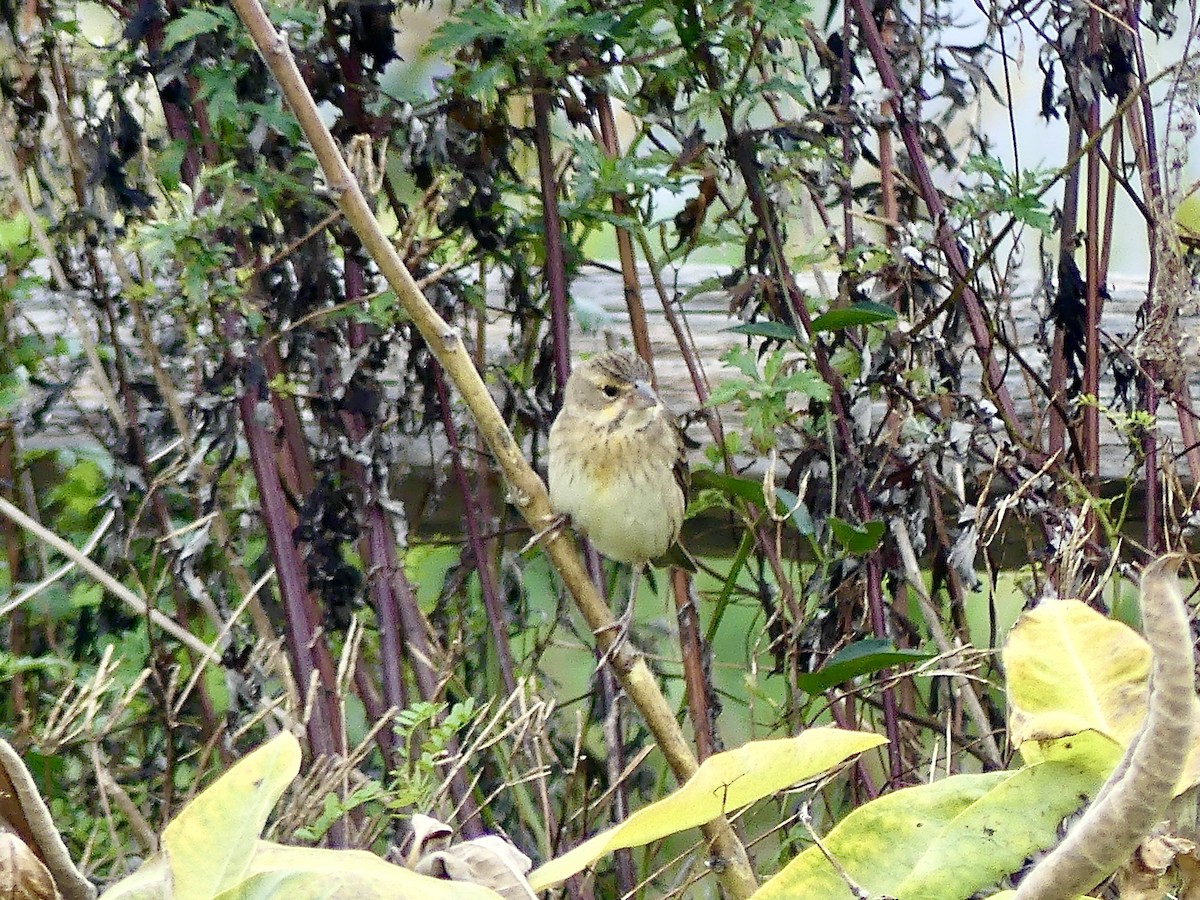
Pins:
<point x="676" y="554"/>
<point x="682" y="474"/>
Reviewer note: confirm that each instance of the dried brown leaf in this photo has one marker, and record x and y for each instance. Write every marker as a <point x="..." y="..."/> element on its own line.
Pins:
<point x="490" y="861"/>
<point x="22" y="874"/>
<point x="23" y="812"/>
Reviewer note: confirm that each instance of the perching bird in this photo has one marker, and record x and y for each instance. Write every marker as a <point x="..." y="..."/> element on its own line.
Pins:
<point x="617" y="464"/>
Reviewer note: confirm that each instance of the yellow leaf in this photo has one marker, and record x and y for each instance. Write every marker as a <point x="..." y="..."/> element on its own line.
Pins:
<point x="723" y="783"/>
<point x="1070" y="669"/>
<point x="210" y="844"/>
<point x="951" y="838"/>
<point x="878" y="844"/>
<point x="152" y="881"/>
<point x="305" y="873"/>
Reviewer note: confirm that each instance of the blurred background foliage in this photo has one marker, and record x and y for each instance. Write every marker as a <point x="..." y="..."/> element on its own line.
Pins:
<point x="921" y="411"/>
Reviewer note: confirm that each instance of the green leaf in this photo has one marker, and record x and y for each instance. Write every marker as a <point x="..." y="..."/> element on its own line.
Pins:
<point x="12" y="391"/>
<point x="748" y="489"/>
<point x="17" y="247"/>
<point x="21" y="665"/>
<point x="745" y="361"/>
<point x="85" y="594"/>
<point x="808" y="383"/>
<point x="474" y="22"/>
<point x="1027" y="809"/>
<point x="14" y="232"/>
<point x="797" y="511"/>
<point x="860" y="658"/>
<point x="866" y="313"/>
<point x="725" y="392"/>
<point x="751" y="490"/>
<point x="735" y="569"/>
<point x="195" y="21"/>
<point x="952" y="838"/>
<point x="167" y="163"/>
<point x="774" y="330"/>
<point x="857" y="540"/>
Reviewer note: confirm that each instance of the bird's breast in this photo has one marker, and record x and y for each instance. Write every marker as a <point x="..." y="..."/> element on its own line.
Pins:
<point x="618" y="487"/>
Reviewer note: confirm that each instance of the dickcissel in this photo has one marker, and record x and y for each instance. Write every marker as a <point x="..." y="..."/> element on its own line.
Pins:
<point x="617" y="465"/>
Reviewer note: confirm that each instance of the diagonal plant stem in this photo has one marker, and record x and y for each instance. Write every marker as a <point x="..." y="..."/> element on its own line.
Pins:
<point x="529" y="493"/>
<point x="33" y="590"/>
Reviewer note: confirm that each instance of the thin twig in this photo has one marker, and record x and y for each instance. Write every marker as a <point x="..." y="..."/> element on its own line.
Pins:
<point x="109" y="583"/>
<point x="33" y="590"/>
<point x="974" y="708"/>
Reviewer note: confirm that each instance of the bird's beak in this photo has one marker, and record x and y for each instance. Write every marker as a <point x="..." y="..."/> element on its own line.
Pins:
<point x="643" y="395"/>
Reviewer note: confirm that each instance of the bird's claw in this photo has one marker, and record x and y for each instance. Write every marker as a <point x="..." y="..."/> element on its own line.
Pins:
<point x="556" y="524"/>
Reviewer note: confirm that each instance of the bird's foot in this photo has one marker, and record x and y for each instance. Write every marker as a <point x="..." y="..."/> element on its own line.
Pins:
<point x="554" y="525"/>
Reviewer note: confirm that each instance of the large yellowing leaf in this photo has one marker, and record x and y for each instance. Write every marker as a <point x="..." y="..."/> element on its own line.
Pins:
<point x="304" y="873"/>
<point x="1003" y="895"/>
<point x="993" y="837"/>
<point x="277" y="872"/>
<point x="152" y="881"/>
<point x="212" y="849"/>
<point x="723" y="783"/>
<point x="949" y="839"/>
<point x="1069" y="669"/>
<point x="210" y="844"/>
<point x="1009" y="895"/>
<point x="879" y="843"/>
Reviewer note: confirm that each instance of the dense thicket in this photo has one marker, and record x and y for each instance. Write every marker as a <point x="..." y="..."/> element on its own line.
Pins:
<point x="206" y="384"/>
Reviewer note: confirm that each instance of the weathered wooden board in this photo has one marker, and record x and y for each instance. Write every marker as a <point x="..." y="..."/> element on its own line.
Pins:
<point x="709" y="319"/>
<point x="600" y="293"/>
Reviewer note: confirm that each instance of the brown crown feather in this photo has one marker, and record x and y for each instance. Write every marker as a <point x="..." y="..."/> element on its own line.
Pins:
<point x="622" y="366"/>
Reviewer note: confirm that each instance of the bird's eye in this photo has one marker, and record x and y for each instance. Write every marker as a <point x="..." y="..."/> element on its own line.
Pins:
<point x="610" y="391"/>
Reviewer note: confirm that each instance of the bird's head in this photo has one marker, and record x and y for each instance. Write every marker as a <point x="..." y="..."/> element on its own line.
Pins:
<point x="611" y="387"/>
